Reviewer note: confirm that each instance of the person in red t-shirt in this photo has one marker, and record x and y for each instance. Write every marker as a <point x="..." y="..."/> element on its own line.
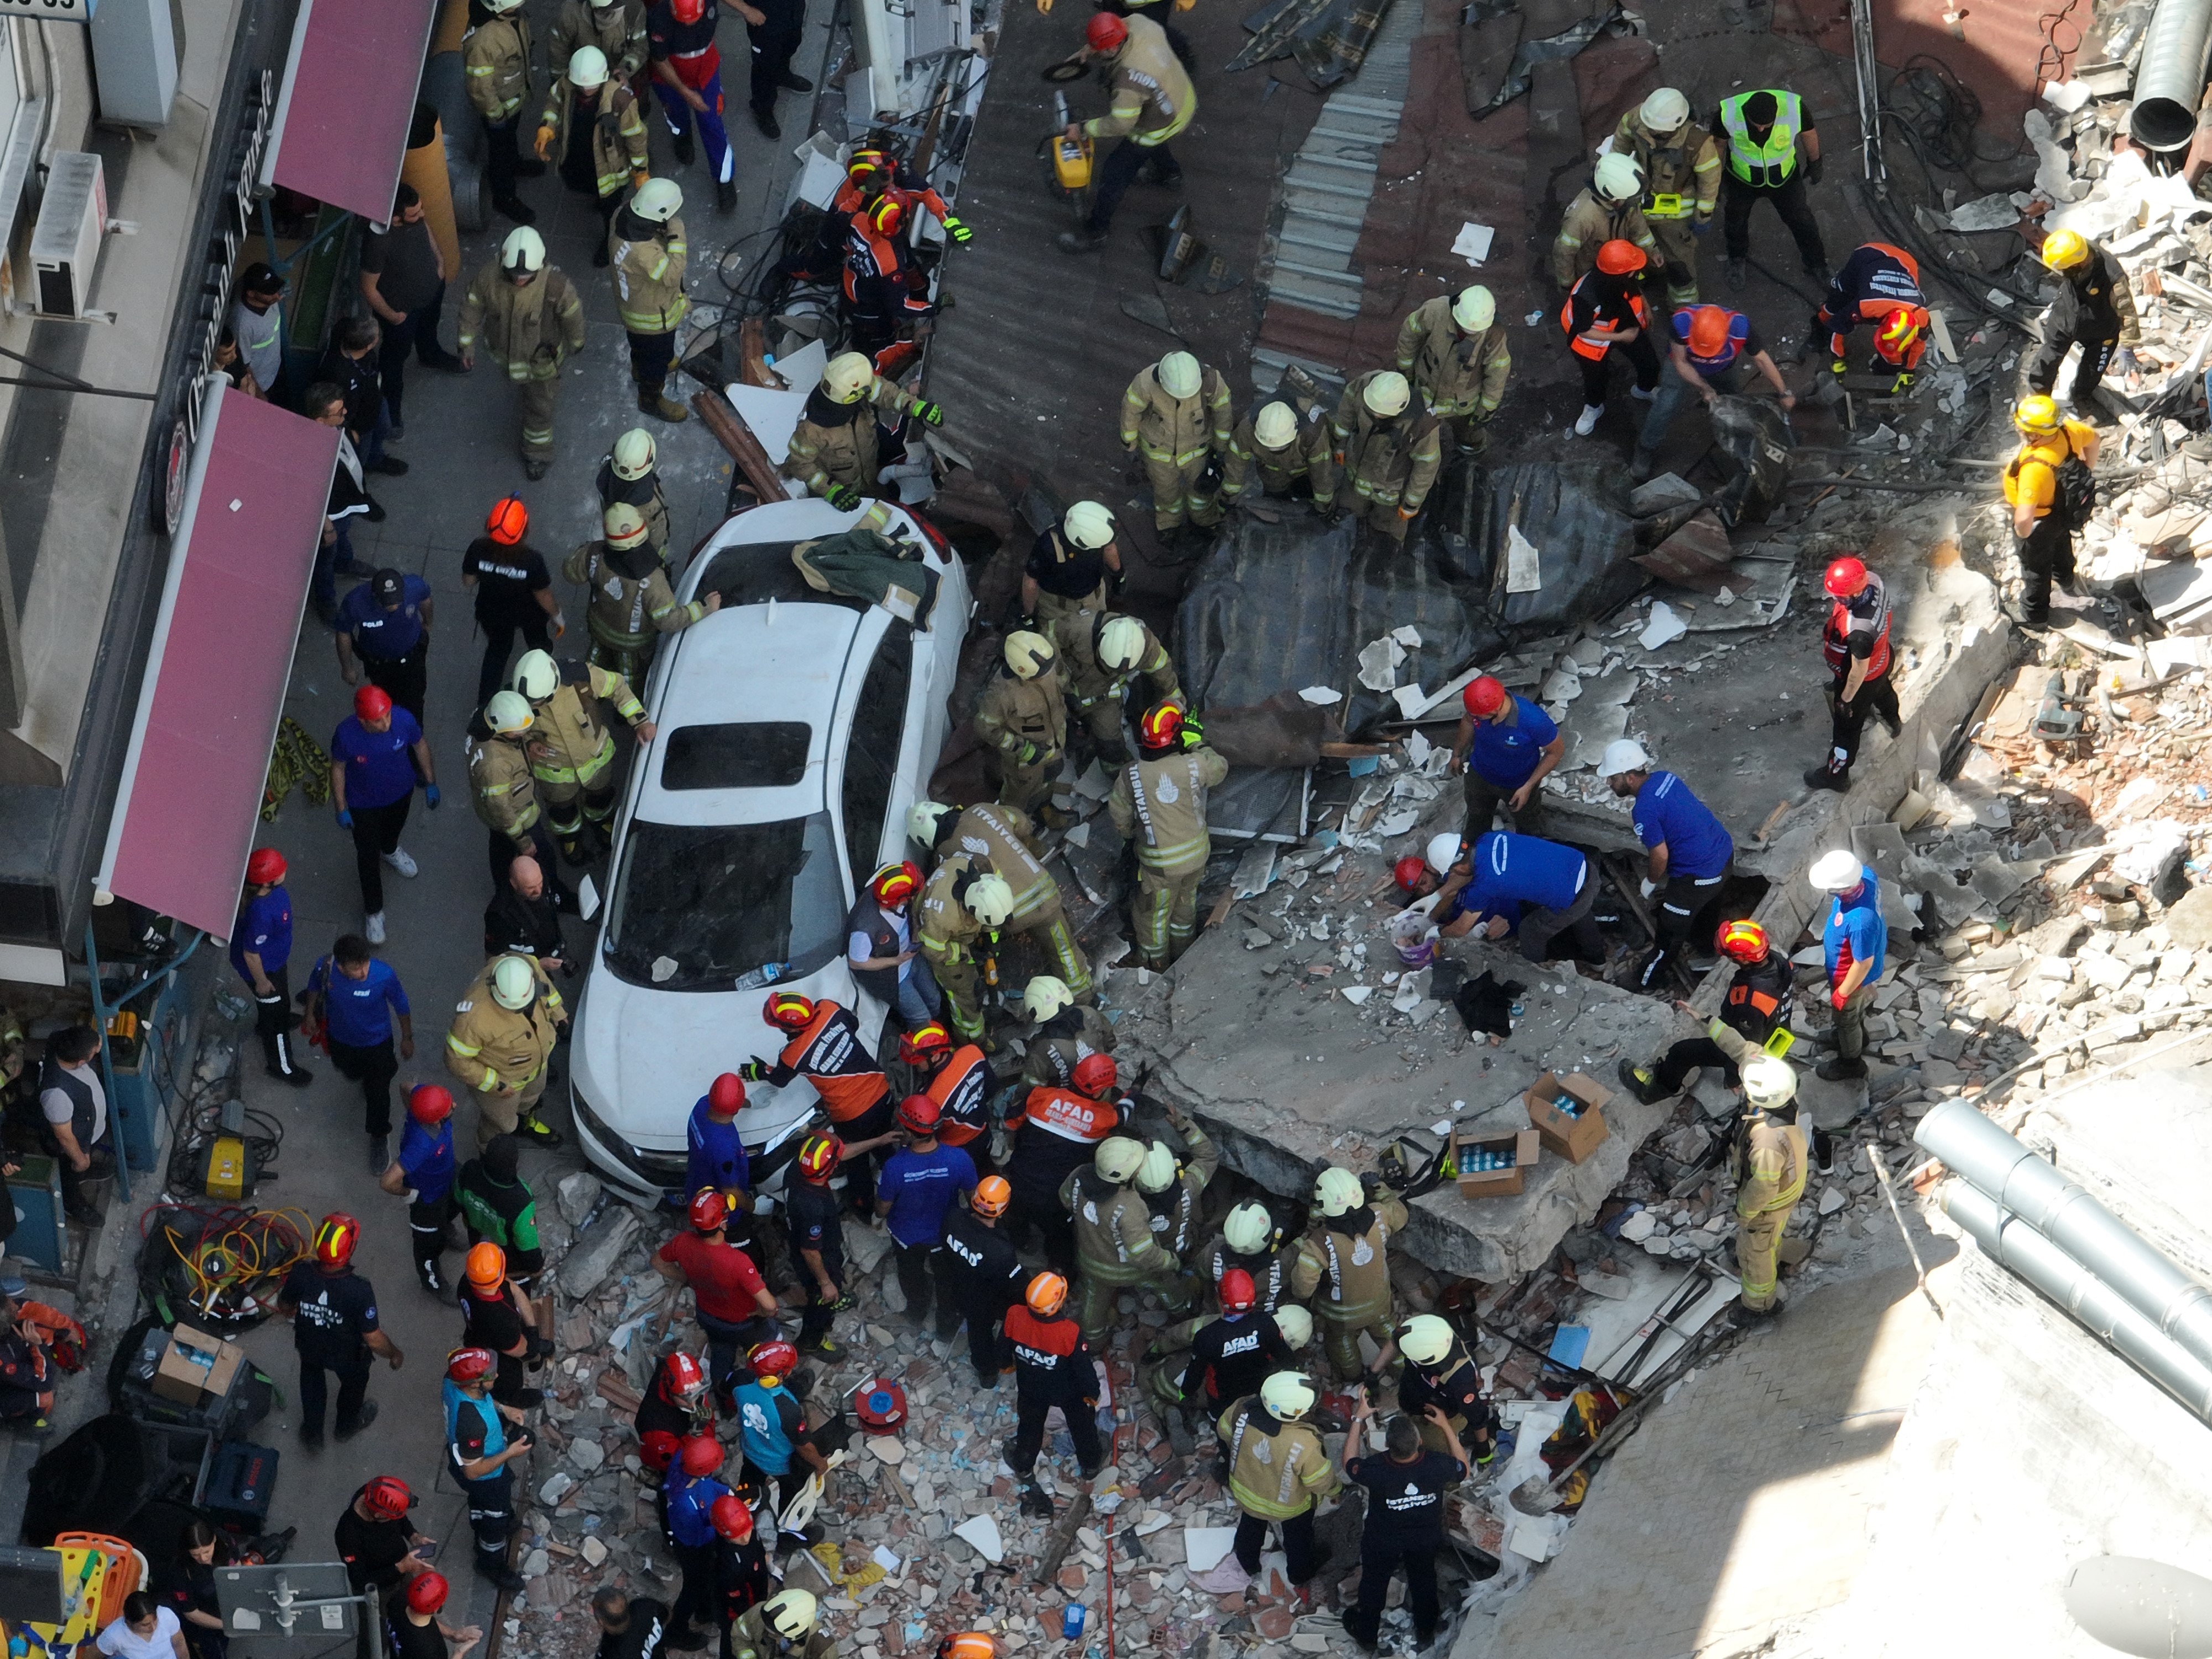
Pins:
<point x="733" y="1304"/>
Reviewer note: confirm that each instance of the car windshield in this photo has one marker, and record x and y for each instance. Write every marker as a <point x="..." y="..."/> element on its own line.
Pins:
<point x="699" y="908"/>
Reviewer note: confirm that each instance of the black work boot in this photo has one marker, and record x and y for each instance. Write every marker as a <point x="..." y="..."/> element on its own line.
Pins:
<point x="1082" y="240"/>
<point x="1639" y="1080"/>
<point x="681" y="143"/>
<point x="1837" y="1069"/>
<point x="1831" y="776"/>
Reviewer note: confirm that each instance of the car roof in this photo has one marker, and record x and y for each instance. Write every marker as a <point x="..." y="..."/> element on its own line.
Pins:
<point x="777" y="525"/>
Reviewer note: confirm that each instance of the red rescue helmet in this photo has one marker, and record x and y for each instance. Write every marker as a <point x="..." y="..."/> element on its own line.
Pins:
<point x="429" y="1104"/>
<point x="1105" y="33"/>
<point x="819" y="1156"/>
<point x="1709" y="329"/>
<point x="466" y="1365"/>
<point x="733" y="1520"/>
<point x="372" y="702"/>
<point x="386" y="1498"/>
<point x="1163" y="722"/>
<point x="1239" y="1293"/>
<point x="1484" y="696"/>
<point x="1898" y="332"/>
<point x="682" y="1379"/>
<point x="266" y="867"/>
<point x="1408" y="873"/>
<point x="918" y="1114"/>
<point x="777" y="1358"/>
<point x="1096" y="1073"/>
<point x="1620" y="259"/>
<point x="922" y="1045"/>
<point x="725" y="1095"/>
<point x="1846" y="577"/>
<point x="509" y="522"/>
<point x="426" y="1592"/>
<point x="687" y="11"/>
<point x="788" y="1010"/>
<point x="992" y="1195"/>
<point x="702" y="1454"/>
<point x="886" y="215"/>
<point x="1741" y="941"/>
<point x="336" y="1239"/>
<point x="709" y="1210"/>
<point x="895" y="883"/>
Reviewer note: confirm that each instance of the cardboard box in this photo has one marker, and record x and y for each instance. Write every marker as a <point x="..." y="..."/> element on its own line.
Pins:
<point x="1573" y="1137"/>
<point x="196" y="1369"/>
<point x="1523" y="1145"/>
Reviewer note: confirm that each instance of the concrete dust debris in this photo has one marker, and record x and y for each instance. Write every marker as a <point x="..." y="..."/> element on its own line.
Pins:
<point x="1378" y="664"/>
<point x="1663" y="627"/>
<point x="1524" y="563"/>
<point x="1322" y="697"/>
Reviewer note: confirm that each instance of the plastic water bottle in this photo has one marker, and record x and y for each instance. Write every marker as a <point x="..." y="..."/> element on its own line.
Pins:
<point x="1071" y="1621"/>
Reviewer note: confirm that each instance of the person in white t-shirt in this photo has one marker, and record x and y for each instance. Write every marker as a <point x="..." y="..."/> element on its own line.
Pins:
<point x="145" y="1631"/>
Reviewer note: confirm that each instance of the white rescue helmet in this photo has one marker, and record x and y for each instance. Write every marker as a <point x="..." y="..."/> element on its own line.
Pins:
<point x="623" y="523"/>
<point x="1444" y="852"/>
<point x="790" y="1613"/>
<point x="508" y="712"/>
<point x="1287" y="1394"/>
<point x="658" y="200"/>
<point x="1179" y="374"/>
<point x="1120" y="642"/>
<point x="1045" y="996"/>
<point x="1476" y="309"/>
<point x="1118" y="1158"/>
<point x="1836" y="871"/>
<point x="990" y="901"/>
<point x="1337" y="1190"/>
<point x="1617" y="178"/>
<point x="1296" y="1324"/>
<point x="848" y="376"/>
<point x="1088" y="525"/>
<point x="633" y="455"/>
<point x="522" y="250"/>
<point x="924" y="819"/>
<point x="1248" y="1228"/>
<point x="1159" y="1171"/>
<point x="1276" y="425"/>
<point x="514" y="982"/>
<point x="1769" y="1084"/>
<point x="587" y="68"/>
<point x="1623" y="755"/>
<point x="1029" y="654"/>
<point x="1665" y="111"/>
<point x="537" y="676"/>
<point x="1387" y="393"/>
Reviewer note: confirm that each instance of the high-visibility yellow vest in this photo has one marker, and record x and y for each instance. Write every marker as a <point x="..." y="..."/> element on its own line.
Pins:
<point x="1767" y="165"/>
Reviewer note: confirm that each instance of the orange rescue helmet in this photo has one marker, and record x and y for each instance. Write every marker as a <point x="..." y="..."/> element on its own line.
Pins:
<point x="1047" y="1295"/>
<point x="1620" y="259"/>
<point x="1709" y="329"/>
<point x="992" y="1195"/>
<point x="486" y="1266"/>
<point x="509" y="522"/>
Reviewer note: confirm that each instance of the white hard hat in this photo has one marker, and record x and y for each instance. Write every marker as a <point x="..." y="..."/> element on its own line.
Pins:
<point x="1180" y="374"/>
<point x="923" y="820"/>
<point x="1387" y="393"/>
<point x="1029" y="654"/>
<point x="1287" y="1394"/>
<point x="634" y="454"/>
<point x="1120" y="642"/>
<point x="587" y="68"/>
<point x="1618" y="178"/>
<point x="790" y="1613"/>
<point x="1248" y="1228"/>
<point x="1665" y="110"/>
<point x="1424" y="1338"/>
<point x="495" y="7"/>
<point x="1476" y="309"/>
<point x="1157" y="1172"/>
<point x="1623" y="755"/>
<point x="1296" y="1324"/>
<point x="1768" y="1082"/>
<point x="508" y="712"/>
<point x="514" y="982"/>
<point x="537" y="676"/>
<point x="848" y="376"/>
<point x="1276" y="425"/>
<point x="1337" y="1190"/>
<point x="1444" y="852"/>
<point x="658" y="200"/>
<point x="1089" y="525"/>
<point x="1045" y="996"/>
<point x="623" y="523"/>
<point x="990" y="901"/>
<point x="1118" y="1158"/>
<point x="1836" y="871"/>
<point x="524" y="248"/>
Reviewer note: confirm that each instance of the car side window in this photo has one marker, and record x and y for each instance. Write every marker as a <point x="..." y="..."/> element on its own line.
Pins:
<point x="871" y="754"/>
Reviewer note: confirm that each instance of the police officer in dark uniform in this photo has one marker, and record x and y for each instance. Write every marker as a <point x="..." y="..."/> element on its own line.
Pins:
<point x="333" y="1314"/>
<point x="385" y="624"/>
<point x="986" y="1275"/>
<point x="514" y="590"/>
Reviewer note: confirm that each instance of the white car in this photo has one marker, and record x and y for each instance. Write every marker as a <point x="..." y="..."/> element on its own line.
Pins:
<point x="796" y="728"/>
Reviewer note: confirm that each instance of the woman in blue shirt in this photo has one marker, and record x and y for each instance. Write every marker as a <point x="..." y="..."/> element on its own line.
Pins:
<point x="360" y="996"/>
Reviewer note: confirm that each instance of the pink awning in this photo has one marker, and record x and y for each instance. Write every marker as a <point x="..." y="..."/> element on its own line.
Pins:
<point x="188" y="803"/>
<point x="348" y="98"/>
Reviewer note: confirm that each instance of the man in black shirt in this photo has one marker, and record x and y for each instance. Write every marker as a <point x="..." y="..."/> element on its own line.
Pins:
<point x="1406" y="1490"/>
<point x="333" y="1314"/>
<point x="628" y="1629"/>
<point x="495" y="1315"/>
<point x="514" y="593"/>
<point x="1068" y="566"/>
<point x="412" y="1628"/>
<point x="350" y="365"/>
<point x="403" y="277"/>
<point x="1230" y="1357"/>
<point x="521" y="920"/>
<point x="813" y="1219"/>
<point x="987" y="1276"/>
<point x="378" y="1543"/>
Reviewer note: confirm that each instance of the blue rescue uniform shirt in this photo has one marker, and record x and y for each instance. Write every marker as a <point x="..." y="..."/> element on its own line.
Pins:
<point x="379" y="770"/>
<point x="264" y="927"/>
<point x="426" y="1158"/>
<point x="691" y="1506"/>
<point x="1855" y="932"/>
<point x="1511" y="871"/>
<point x="359" y="1010"/>
<point x="1504" y="755"/>
<point x="1698" y="843"/>
<point x="920" y="1187"/>
<point x="384" y="635"/>
<point x="717" y="1153"/>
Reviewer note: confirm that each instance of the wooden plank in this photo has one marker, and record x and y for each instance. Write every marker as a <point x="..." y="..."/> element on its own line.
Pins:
<point x="730" y="431"/>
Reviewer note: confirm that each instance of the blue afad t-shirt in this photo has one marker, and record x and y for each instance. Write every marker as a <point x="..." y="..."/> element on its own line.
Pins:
<point x="920" y="1188"/>
<point x="427" y="1157"/>
<point x="1504" y="755"/>
<point x="264" y="927"/>
<point x="715" y="1153"/>
<point x="1511" y="871"/>
<point x="1855" y="932"/>
<point x="378" y="768"/>
<point x="359" y="1010"/>
<point x="1698" y="843"/>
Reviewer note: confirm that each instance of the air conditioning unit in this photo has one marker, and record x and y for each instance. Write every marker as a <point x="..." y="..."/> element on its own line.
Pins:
<point x="65" y="246"/>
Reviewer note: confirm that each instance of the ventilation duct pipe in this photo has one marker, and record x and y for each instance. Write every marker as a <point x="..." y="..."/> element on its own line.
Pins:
<point x="2172" y="77"/>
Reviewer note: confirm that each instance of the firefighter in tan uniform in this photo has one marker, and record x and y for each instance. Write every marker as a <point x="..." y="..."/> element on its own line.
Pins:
<point x="1004" y="838"/>
<point x="962" y="909"/>
<point x="1278" y="1472"/>
<point x="1158" y="804"/>
<point x="1609" y="209"/>
<point x="1176" y="414"/>
<point x="1768" y="1162"/>
<point x="617" y="28"/>
<point x="1102" y="654"/>
<point x="631" y="474"/>
<point x="1271" y="446"/>
<point x="571" y="753"/>
<point x="646" y="247"/>
<point x="632" y="604"/>
<point x="1022" y="719"/>
<point x="592" y="132"/>
<point x="1115" y="1248"/>
<point x="1343" y="1267"/>
<point x="1174" y="1187"/>
<point x="836" y="449"/>
<point x="501" y="1044"/>
<point x="1682" y="167"/>
<point x="495" y="63"/>
<point x="502" y="790"/>
<point x="1066" y="1032"/>
<point x="1454" y="353"/>
<point x="532" y="322"/>
<point x="1072" y="567"/>
<point x="1388" y="453"/>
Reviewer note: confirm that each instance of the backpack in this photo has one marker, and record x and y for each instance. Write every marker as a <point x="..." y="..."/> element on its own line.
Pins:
<point x="2076" y="496"/>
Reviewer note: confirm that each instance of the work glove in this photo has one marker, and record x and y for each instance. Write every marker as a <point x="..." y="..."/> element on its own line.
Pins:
<point x="1838" y="997"/>
<point x="1649" y="886"/>
<point x="1193" y="733"/>
<point x="2124" y="361"/>
<point x="1902" y="383"/>
<point x="843" y="497"/>
<point x="956" y="230"/>
<point x="1837" y="366"/>
<point x="431" y="797"/>
<point x="544" y="145"/>
<point x="345" y="819"/>
<point x="1701" y="224"/>
<point x="929" y="414"/>
<point x="754" y="1071"/>
<point x="637" y="179"/>
<point x="1026" y="755"/>
<point x="1406" y="513"/>
<point x="1813" y="171"/>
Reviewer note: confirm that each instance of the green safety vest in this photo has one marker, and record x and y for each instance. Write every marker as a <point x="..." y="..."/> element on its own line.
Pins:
<point x="1768" y="165"/>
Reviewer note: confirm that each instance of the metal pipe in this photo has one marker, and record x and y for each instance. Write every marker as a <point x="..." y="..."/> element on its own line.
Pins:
<point x="2171" y="80"/>
<point x="2008" y="1239"/>
<point x="2027" y="1186"/>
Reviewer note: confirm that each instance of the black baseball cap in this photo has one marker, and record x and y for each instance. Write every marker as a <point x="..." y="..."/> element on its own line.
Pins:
<point x="389" y="586"/>
<point x="258" y="278"/>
